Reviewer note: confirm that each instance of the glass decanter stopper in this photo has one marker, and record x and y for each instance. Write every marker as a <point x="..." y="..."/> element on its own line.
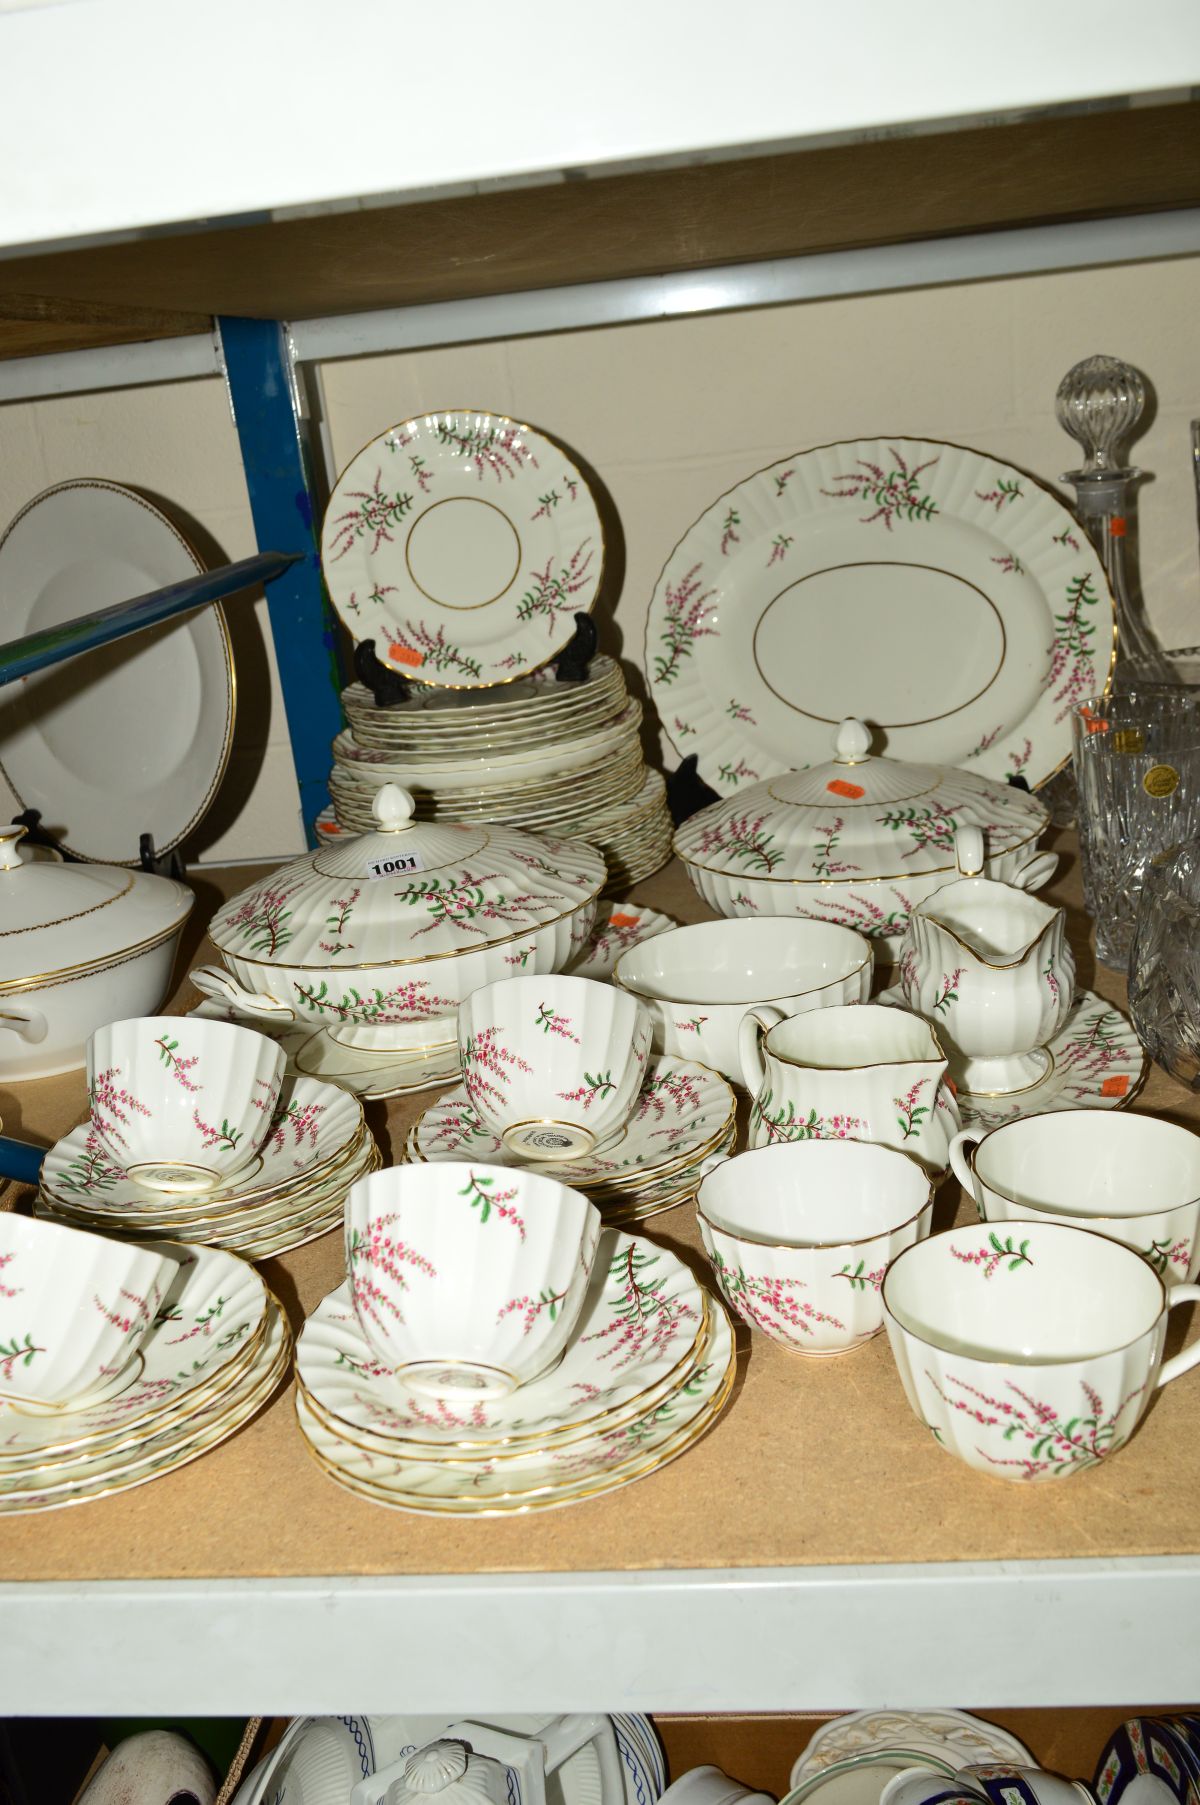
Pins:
<point x="1100" y="402"/>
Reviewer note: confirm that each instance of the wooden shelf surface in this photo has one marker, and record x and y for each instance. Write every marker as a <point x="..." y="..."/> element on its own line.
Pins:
<point x="813" y="1463"/>
<point x="1126" y="160"/>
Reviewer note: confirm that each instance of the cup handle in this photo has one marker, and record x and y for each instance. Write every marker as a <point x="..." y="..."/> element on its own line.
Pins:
<point x="210" y="981"/>
<point x="961" y="1166"/>
<point x="1035" y="871"/>
<point x="752" y="1026"/>
<point x="706" y="1166"/>
<point x="1190" y="1356"/>
<point x="969" y="855"/>
<point x="30" y="1024"/>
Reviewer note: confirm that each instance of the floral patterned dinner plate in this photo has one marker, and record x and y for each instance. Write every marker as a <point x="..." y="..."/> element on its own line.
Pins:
<point x="945" y="597"/>
<point x="1099" y="1063"/>
<point x="463" y="544"/>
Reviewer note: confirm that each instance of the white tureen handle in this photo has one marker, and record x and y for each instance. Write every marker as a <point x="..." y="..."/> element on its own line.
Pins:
<point x="20" y="1019"/>
<point x="211" y="981"/>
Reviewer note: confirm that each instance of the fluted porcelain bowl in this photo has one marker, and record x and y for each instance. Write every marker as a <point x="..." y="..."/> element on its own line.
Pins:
<point x="468" y="1279"/>
<point x="553" y="1065"/>
<point x="1030" y="1350"/>
<point x="183" y="1105"/>
<point x="698" y="982"/>
<point x="74" y="1308"/>
<point x="801" y="1234"/>
<point x="1134" y="1178"/>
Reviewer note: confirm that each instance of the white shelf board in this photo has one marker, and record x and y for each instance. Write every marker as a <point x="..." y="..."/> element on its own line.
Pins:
<point x="999" y="1634"/>
<point x="126" y="115"/>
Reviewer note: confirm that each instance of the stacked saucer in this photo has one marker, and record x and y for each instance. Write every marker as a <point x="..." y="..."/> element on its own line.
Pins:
<point x="317" y="1145"/>
<point x="682" y="1119"/>
<point x="557" y="757"/>
<point x="212" y="1353"/>
<point x="648" y="1368"/>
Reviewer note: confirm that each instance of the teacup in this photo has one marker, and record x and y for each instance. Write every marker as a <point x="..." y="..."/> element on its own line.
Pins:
<point x="860" y="1072"/>
<point x="698" y="982"/>
<point x="1133" y="1177"/>
<point x="468" y="1280"/>
<point x="1030" y="1355"/>
<point x="990" y="966"/>
<point x="74" y="1309"/>
<point x="1026" y="1785"/>
<point x="182" y="1104"/>
<point x="553" y="1065"/>
<point x="801" y="1234"/>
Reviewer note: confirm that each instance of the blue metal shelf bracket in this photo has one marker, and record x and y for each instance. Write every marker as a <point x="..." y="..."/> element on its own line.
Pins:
<point x="273" y="436"/>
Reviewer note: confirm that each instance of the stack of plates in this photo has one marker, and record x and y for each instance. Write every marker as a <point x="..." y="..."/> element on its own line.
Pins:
<point x="218" y="1348"/>
<point x="318" y="1145"/>
<point x="648" y="1370"/>
<point x="683" y="1117"/>
<point x="546" y="756"/>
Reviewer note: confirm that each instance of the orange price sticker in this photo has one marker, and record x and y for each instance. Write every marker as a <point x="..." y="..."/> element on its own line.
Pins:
<point x="405" y="655"/>
<point x="1116" y="526"/>
<point x="1116" y="1086"/>
<point x="624" y="921"/>
<point x="841" y="787"/>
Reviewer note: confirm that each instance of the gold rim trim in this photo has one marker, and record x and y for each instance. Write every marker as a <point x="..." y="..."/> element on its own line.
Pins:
<point x="59" y="920"/>
<point x="487" y="413"/>
<point x="69" y="974"/>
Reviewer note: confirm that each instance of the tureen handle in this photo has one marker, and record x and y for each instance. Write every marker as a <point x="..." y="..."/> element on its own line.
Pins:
<point x="10" y="857"/>
<point x="212" y="982"/>
<point x="393" y="808"/>
<point x="1036" y="871"/>
<point x="30" y="1024"/>
<point x="969" y="854"/>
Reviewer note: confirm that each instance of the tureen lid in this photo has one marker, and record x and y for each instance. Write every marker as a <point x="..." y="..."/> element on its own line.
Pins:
<point x="57" y="917"/>
<point x="855" y="818"/>
<point x="408" y="892"/>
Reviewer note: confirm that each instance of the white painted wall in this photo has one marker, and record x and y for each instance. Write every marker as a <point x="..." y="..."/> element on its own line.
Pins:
<point x="671" y="414"/>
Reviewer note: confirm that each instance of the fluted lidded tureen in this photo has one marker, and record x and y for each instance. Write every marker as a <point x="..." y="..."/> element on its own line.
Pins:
<point x="859" y="841"/>
<point x="379" y="937"/>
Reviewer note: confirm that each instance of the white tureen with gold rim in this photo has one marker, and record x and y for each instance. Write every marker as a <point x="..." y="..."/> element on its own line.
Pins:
<point x="860" y="841"/>
<point x="378" y="938"/>
<point x="80" y="945"/>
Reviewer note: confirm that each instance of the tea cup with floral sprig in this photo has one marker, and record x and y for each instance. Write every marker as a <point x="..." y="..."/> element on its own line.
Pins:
<point x="181" y="1104"/>
<point x="1133" y="1177"/>
<point x="1030" y="1350"/>
<point x="801" y="1234"/>
<point x="990" y="966"/>
<point x="468" y="1280"/>
<point x="553" y="1065"/>
<point x="74" y="1309"/>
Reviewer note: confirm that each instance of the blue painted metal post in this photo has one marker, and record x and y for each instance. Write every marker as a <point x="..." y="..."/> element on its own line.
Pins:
<point x="279" y="477"/>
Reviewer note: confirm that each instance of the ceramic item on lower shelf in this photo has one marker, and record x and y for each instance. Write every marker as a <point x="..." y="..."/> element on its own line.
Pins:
<point x="1097" y="1063"/>
<point x="708" y="1785"/>
<point x="863" y="1779"/>
<point x="1004" y="1784"/>
<point x="157" y="1767"/>
<point x="1135" y="1178"/>
<point x="952" y="1739"/>
<point x="1142" y="1763"/>
<point x="468" y="1279"/>
<point x="1079" y="1319"/>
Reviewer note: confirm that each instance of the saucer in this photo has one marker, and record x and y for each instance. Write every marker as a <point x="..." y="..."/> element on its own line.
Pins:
<point x="610" y="1365"/>
<point x="547" y="1477"/>
<point x="1098" y="1063"/>
<point x="684" y="1110"/>
<point x="617" y="927"/>
<point x="314" y="1053"/>
<point x="954" y="1739"/>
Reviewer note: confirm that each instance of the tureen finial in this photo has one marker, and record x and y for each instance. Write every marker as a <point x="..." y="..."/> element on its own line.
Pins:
<point x="10" y="857"/>
<point x="853" y="742"/>
<point x="393" y="808"/>
<point x="435" y="1767"/>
